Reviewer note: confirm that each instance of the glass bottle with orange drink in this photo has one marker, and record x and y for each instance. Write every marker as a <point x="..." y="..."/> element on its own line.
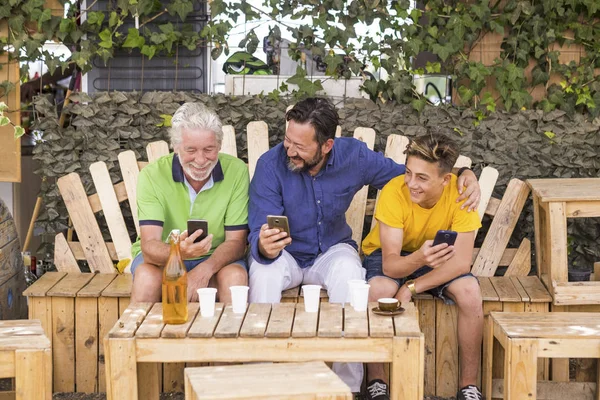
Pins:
<point x="174" y="284"/>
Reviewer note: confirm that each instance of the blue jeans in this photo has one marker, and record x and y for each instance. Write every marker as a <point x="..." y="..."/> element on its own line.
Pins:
<point x="373" y="263"/>
<point x="189" y="264"/>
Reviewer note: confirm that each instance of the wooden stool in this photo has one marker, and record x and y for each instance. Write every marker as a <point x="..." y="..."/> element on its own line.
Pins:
<point x="527" y="336"/>
<point x="309" y="380"/>
<point x="25" y="354"/>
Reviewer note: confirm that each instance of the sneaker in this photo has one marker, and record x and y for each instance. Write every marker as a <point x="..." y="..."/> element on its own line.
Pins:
<point x="470" y="392"/>
<point x="377" y="390"/>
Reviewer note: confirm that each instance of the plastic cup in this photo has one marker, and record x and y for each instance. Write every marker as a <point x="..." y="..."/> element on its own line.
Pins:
<point x="360" y="297"/>
<point x="207" y="296"/>
<point x="351" y="284"/>
<point x="239" y="298"/>
<point x="311" y="297"/>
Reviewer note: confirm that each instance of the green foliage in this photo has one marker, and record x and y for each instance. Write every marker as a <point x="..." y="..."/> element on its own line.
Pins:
<point x="532" y="36"/>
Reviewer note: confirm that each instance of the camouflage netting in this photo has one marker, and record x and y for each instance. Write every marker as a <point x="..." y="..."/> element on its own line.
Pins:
<point x="529" y="144"/>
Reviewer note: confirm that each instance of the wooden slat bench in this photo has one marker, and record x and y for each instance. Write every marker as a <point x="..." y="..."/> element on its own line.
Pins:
<point x="301" y="381"/>
<point x="493" y="253"/>
<point x="279" y="332"/>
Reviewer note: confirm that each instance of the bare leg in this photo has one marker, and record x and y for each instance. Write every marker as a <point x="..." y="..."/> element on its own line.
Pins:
<point x="229" y="275"/>
<point x="467" y="296"/>
<point x="380" y="287"/>
<point x="147" y="285"/>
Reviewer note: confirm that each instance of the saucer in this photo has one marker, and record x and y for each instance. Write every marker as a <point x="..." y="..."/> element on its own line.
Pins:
<point x="377" y="311"/>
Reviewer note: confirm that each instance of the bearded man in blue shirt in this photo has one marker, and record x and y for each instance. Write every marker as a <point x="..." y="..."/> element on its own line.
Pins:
<point x="312" y="178"/>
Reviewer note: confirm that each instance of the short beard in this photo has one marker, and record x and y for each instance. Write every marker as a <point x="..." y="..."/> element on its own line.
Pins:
<point x="307" y="166"/>
<point x="194" y="175"/>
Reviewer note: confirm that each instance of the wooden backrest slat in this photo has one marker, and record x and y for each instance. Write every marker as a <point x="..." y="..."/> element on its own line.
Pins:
<point x="229" y="146"/>
<point x="258" y="143"/>
<point x="157" y="149"/>
<point x="111" y="209"/>
<point x="355" y="215"/>
<point x="84" y="221"/>
<point x="487" y="182"/>
<point x="501" y="228"/>
<point x="463" y="161"/>
<point x="64" y="260"/>
<point x="78" y="253"/>
<point x="120" y="191"/>
<point x="130" y="172"/>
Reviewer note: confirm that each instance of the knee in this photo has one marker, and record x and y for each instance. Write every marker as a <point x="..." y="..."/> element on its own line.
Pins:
<point x="347" y="267"/>
<point x="381" y="287"/>
<point x="232" y="275"/>
<point x="468" y="295"/>
<point x="147" y="284"/>
<point x="265" y="273"/>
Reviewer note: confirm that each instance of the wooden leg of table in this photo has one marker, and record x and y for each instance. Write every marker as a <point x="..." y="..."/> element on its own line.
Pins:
<point x="121" y="369"/>
<point x="408" y="369"/>
<point x="557" y="242"/>
<point x="148" y="381"/>
<point x="520" y="369"/>
<point x="30" y="376"/>
<point x="488" y="351"/>
<point x="188" y="388"/>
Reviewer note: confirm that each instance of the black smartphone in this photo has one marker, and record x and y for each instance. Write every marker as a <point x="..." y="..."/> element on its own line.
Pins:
<point x="194" y="224"/>
<point x="442" y="236"/>
<point x="280" y="222"/>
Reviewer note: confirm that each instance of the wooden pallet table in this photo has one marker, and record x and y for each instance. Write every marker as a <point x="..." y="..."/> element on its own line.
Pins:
<point x="526" y="337"/>
<point x="279" y="332"/>
<point x="555" y="200"/>
<point x="25" y="355"/>
<point x="301" y="381"/>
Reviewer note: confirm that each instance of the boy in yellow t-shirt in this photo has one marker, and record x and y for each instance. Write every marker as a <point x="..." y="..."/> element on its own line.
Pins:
<point x="401" y="261"/>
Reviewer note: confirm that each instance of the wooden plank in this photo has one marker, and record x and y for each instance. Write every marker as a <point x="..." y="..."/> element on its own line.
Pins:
<point x="173" y="377"/>
<point x="149" y="377"/>
<point x="505" y="289"/>
<point x="258" y="143"/>
<point x="10" y="149"/>
<point x="379" y="326"/>
<point x="70" y="285"/>
<point x="521" y="264"/>
<point x="153" y="323"/>
<point x="281" y="320"/>
<point x="356" y="324"/>
<point x="119" y="287"/>
<point x="462" y="161"/>
<point x="330" y="320"/>
<point x="180" y="331"/>
<point x="230" y="323"/>
<point x="130" y="172"/>
<point x="45" y="283"/>
<point x="407" y="368"/>
<point x="557" y="242"/>
<point x="40" y="308"/>
<point x="355" y="215"/>
<point x="487" y="182"/>
<point x="130" y="320"/>
<point x="492" y="207"/>
<point x="407" y="324"/>
<point x="520" y="289"/>
<point x="582" y="209"/>
<point x="95" y="287"/>
<point x="305" y="324"/>
<point x="566" y="189"/>
<point x="228" y="146"/>
<point x="108" y="315"/>
<point x="290" y="295"/>
<point x="30" y="369"/>
<point x="535" y="289"/>
<point x="112" y="210"/>
<point x="120" y="191"/>
<point x="204" y="327"/>
<point x="122" y="366"/>
<point x="488" y="293"/>
<point x="64" y="260"/>
<point x="157" y="149"/>
<point x="576" y="293"/>
<point x="256" y="320"/>
<point x="426" y="310"/>
<point x="501" y="228"/>
<point x="520" y="369"/>
<point x="84" y="221"/>
<point x="86" y="344"/>
<point x="123" y="304"/>
<point x="446" y="349"/>
<point x="487" y="371"/>
<point x="78" y="253"/>
<point x="63" y="343"/>
<point x="554" y="390"/>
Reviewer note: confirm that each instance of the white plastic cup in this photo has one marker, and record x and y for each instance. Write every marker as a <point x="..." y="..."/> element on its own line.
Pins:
<point x="351" y="284"/>
<point x="360" y="297"/>
<point x="312" y="295"/>
<point x="239" y="298"/>
<point x="207" y="296"/>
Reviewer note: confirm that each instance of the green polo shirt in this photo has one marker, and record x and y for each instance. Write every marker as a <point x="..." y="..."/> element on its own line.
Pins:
<point x="163" y="198"/>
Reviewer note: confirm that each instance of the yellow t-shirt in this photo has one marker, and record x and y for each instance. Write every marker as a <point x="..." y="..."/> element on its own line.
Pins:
<point x="396" y="210"/>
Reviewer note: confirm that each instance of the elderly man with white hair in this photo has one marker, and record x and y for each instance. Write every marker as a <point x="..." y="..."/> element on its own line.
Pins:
<point x="194" y="182"/>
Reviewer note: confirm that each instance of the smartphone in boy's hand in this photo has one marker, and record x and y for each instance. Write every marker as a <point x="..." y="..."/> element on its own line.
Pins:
<point x="442" y="236"/>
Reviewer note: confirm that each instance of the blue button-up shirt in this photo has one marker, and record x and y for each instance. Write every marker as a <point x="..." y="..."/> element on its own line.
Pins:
<point x="315" y="205"/>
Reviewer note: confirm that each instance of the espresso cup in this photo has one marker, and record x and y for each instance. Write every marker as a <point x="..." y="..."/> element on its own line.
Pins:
<point x="388" y="304"/>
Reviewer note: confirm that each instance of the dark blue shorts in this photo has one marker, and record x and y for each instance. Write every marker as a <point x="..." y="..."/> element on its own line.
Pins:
<point x="189" y="264"/>
<point x="373" y="263"/>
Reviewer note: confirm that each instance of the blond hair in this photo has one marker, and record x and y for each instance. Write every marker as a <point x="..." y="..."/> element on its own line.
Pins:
<point x="434" y="148"/>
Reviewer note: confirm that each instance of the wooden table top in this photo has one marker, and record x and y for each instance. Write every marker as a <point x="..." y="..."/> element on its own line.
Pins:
<point x="22" y="334"/>
<point x="566" y="189"/>
<point x="285" y="320"/>
<point x="549" y="325"/>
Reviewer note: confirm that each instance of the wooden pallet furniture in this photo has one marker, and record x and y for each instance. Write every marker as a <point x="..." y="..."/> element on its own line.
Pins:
<point x="290" y="381"/>
<point x="279" y="332"/>
<point x="26" y="356"/>
<point x="526" y="337"/>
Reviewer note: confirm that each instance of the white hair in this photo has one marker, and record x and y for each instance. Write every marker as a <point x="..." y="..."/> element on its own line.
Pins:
<point x="194" y="116"/>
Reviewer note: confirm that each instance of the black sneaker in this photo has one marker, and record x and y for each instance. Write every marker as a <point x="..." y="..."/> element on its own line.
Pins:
<point x="470" y="392"/>
<point x="377" y="390"/>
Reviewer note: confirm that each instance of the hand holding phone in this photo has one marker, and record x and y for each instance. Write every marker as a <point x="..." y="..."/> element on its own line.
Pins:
<point x="448" y="237"/>
<point x="433" y="257"/>
<point x="194" y="224"/>
<point x="271" y="244"/>
<point x="279" y="222"/>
